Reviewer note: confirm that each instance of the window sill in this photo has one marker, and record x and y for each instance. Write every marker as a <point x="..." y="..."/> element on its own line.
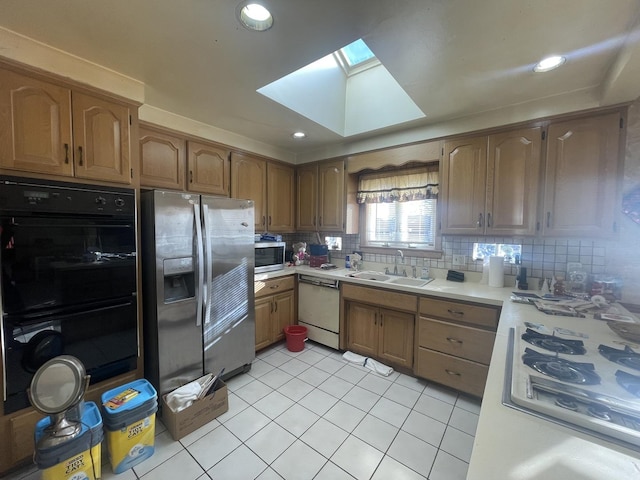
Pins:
<point x="409" y="252"/>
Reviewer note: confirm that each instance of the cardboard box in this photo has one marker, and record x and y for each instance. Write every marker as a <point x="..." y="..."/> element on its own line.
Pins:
<point x="198" y="414"/>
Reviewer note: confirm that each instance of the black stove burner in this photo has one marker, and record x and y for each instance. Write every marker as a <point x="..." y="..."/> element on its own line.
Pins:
<point x="561" y="369"/>
<point x="599" y="411"/>
<point x="631" y="383"/>
<point x="567" y="401"/>
<point x="553" y="343"/>
<point x="625" y="357"/>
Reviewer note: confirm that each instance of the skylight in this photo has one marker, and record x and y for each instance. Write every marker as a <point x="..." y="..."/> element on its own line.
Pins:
<point x="356" y="57"/>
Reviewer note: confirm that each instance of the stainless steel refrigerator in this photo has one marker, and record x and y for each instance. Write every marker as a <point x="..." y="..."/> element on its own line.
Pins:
<point x="198" y="260"/>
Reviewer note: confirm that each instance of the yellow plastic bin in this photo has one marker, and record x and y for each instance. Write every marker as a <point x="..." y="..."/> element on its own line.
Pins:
<point x="129" y="414"/>
<point x="80" y="457"/>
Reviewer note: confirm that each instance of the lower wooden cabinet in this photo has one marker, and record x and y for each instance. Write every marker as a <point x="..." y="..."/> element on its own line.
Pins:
<point x="374" y="329"/>
<point x="275" y="308"/>
<point x="454" y="343"/>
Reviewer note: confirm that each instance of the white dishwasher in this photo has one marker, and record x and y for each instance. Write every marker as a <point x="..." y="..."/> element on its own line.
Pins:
<point x="319" y="309"/>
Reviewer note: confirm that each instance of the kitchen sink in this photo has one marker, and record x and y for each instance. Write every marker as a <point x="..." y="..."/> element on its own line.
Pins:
<point x="411" y="282"/>
<point x="370" y="276"/>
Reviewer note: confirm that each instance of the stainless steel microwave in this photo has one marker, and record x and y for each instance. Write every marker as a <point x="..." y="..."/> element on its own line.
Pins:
<point x="269" y="256"/>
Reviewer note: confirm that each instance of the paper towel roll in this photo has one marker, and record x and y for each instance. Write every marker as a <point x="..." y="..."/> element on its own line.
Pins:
<point x="496" y="272"/>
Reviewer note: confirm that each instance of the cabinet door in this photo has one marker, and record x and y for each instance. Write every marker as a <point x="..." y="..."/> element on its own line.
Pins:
<point x="513" y="172"/>
<point x="581" y="177"/>
<point x="307" y="179"/>
<point x="249" y="181"/>
<point x="35" y="125"/>
<point x="101" y="139"/>
<point x="396" y="337"/>
<point x="263" y="307"/>
<point x="280" y="198"/>
<point x="362" y="328"/>
<point x="464" y="171"/>
<point x="331" y="196"/>
<point x="21" y="434"/>
<point x="162" y="160"/>
<point x="283" y="314"/>
<point x="208" y="167"/>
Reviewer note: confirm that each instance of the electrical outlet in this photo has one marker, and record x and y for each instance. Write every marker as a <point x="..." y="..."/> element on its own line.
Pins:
<point x="459" y="259"/>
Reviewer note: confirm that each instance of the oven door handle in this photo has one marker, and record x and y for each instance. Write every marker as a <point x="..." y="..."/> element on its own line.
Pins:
<point x="200" y="260"/>
<point x="4" y="358"/>
<point x="208" y="301"/>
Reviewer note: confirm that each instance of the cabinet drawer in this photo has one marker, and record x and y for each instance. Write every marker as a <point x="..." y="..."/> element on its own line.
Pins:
<point x="454" y="372"/>
<point x="274" y="285"/>
<point x="460" y="312"/>
<point x="382" y="298"/>
<point x="459" y="340"/>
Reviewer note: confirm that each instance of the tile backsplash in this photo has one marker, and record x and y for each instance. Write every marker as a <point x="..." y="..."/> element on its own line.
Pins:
<point x="543" y="258"/>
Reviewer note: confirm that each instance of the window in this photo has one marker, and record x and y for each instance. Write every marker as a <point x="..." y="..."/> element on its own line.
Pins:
<point x="509" y="252"/>
<point x="401" y="224"/>
<point x="356" y="57"/>
<point x="400" y="207"/>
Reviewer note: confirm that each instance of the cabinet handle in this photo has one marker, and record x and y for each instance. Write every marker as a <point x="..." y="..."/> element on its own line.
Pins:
<point x="314" y="220"/>
<point x="480" y="221"/>
<point x="66" y="153"/>
<point x="80" y="151"/>
<point x="375" y="319"/>
<point x="320" y="220"/>
<point x="452" y="373"/>
<point x="548" y="219"/>
<point x="190" y="176"/>
<point x="455" y="312"/>
<point x="273" y="287"/>
<point x="275" y="305"/>
<point x="271" y="307"/>
<point x="269" y="220"/>
<point x="454" y="340"/>
<point x="264" y="220"/>
<point x="489" y="220"/>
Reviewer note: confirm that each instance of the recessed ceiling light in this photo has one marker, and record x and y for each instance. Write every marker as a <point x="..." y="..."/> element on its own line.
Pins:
<point x="549" y="63"/>
<point x="255" y="17"/>
<point x="299" y="135"/>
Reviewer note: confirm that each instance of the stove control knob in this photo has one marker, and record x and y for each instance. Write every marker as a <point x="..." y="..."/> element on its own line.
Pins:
<point x="119" y="202"/>
<point x="101" y="201"/>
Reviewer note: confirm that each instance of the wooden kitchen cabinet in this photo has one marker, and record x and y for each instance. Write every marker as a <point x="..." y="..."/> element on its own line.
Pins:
<point x="322" y="198"/>
<point x="274" y="309"/>
<point x="454" y="342"/>
<point x="271" y="187"/>
<point x="51" y="129"/>
<point x="162" y="159"/>
<point x="208" y="168"/>
<point x="380" y="324"/>
<point x="249" y="182"/>
<point x="582" y="176"/>
<point x="490" y="183"/>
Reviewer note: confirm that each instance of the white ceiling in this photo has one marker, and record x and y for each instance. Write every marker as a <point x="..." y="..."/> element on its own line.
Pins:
<point x="457" y="59"/>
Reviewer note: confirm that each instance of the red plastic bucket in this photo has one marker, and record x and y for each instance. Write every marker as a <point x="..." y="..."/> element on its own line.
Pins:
<point x="296" y="335"/>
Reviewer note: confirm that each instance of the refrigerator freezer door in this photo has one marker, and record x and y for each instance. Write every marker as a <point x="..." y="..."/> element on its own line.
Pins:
<point x="173" y="336"/>
<point x="229" y="333"/>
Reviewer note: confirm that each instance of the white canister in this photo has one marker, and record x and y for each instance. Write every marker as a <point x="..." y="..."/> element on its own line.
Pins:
<point x="496" y="272"/>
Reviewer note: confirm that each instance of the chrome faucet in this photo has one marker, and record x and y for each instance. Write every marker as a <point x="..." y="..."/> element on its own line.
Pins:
<point x="395" y="267"/>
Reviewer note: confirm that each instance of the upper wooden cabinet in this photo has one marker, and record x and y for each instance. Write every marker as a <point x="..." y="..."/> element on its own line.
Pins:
<point x="323" y="198"/>
<point x="490" y="183"/>
<point x="280" y="198"/>
<point x="271" y="187"/>
<point x="162" y="159"/>
<point x="208" y="168"/>
<point x="581" y="177"/>
<point x="50" y="129"/>
<point x="249" y="181"/>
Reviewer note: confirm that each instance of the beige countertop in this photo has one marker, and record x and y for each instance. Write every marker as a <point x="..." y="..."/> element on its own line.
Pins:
<point x="509" y="444"/>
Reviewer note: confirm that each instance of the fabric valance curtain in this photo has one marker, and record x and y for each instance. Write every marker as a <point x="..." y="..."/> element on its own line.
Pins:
<point x="398" y="186"/>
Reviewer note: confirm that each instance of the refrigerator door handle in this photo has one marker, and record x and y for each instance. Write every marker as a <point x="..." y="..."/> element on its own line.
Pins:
<point x="209" y="264"/>
<point x="200" y="259"/>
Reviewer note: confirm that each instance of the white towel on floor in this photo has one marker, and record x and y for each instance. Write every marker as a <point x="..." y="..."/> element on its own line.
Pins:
<point x="370" y="363"/>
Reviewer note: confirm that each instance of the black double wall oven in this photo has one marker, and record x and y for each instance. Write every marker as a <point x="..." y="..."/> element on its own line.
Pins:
<point x="68" y="285"/>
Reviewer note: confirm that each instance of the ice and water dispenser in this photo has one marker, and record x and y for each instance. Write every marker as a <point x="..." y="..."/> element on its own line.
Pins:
<point x="179" y="279"/>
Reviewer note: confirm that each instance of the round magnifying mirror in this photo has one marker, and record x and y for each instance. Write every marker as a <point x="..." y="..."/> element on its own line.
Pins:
<point x="58" y="385"/>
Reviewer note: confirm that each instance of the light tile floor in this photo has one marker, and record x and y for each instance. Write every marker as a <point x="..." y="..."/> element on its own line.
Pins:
<point x="312" y="415"/>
